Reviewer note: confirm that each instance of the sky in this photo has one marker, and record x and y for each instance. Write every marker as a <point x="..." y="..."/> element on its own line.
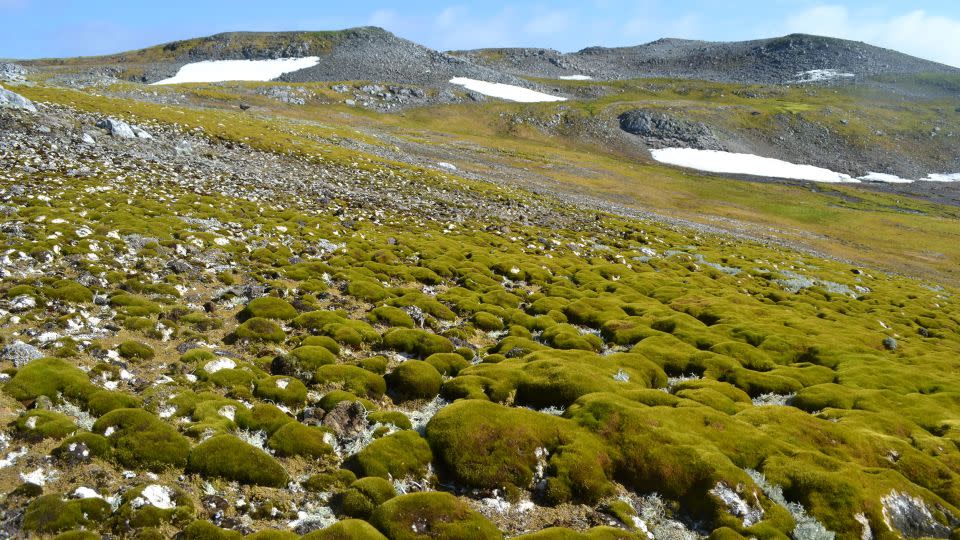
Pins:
<point x="59" y="28"/>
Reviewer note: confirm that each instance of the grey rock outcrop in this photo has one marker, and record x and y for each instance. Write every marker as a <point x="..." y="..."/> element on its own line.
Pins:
<point x="123" y="130"/>
<point x="20" y="353"/>
<point x="12" y="72"/>
<point x="13" y="100"/>
<point x="659" y="130"/>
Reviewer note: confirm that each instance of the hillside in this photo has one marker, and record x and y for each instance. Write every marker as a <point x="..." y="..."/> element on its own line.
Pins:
<point x="778" y="60"/>
<point x="362" y="302"/>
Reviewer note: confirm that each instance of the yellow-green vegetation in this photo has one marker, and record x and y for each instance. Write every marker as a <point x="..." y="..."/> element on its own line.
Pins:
<point x="587" y="362"/>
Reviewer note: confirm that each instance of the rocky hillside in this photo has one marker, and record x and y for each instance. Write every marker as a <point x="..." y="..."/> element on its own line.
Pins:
<point x="355" y="54"/>
<point x="777" y="60"/>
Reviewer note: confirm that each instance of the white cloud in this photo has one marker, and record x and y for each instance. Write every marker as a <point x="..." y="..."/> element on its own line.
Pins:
<point x="916" y="32"/>
<point x="548" y="23"/>
<point x="384" y="18"/>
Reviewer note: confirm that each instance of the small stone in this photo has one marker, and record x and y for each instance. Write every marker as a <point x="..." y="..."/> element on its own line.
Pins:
<point x="889" y="343"/>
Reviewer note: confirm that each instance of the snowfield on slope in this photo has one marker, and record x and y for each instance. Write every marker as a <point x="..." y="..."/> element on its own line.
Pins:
<point x="508" y="92"/>
<point x="575" y="78"/>
<point x="817" y="75"/>
<point x="731" y="163"/>
<point x="239" y="70"/>
<point x="749" y="164"/>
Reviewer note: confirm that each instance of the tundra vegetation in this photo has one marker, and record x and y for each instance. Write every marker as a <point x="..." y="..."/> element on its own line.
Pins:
<point x="218" y="356"/>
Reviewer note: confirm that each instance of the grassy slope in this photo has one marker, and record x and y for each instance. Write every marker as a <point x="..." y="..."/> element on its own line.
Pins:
<point x="891" y="232"/>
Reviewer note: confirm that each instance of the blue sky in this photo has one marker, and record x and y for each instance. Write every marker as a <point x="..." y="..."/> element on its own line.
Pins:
<point x="52" y="28"/>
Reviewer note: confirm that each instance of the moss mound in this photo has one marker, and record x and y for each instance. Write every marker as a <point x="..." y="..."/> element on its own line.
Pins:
<point x="53" y="513"/>
<point x="398" y="455"/>
<point x="226" y="456"/>
<point x="362" y="497"/>
<point x="141" y="440"/>
<point x="268" y="307"/>
<point x="296" y="439"/>
<point x="414" y="379"/>
<point x="260" y="329"/>
<point x="416" y="342"/>
<point x="431" y="515"/>
<point x="348" y="529"/>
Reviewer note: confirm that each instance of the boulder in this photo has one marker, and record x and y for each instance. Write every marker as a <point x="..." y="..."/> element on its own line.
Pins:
<point x="660" y="130"/>
<point x="347" y="420"/>
<point x="117" y="128"/>
<point x="123" y="130"/>
<point x="12" y="100"/>
<point x="20" y="353"/>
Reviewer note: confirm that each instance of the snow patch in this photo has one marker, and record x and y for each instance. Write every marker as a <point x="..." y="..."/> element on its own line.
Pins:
<point x="575" y="78"/>
<point x="239" y="70"/>
<point x="508" y="92"/>
<point x="155" y="495"/>
<point x="733" y="163"/>
<point x="214" y="366"/>
<point x="819" y="75"/>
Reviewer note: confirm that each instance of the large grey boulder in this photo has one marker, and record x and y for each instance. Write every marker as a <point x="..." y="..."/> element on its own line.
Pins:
<point x="20" y="353"/>
<point x="123" y="130"/>
<point x="660" y="130"/>
<point x="117" y="128"/>
<point x="12" y="100"/>
<point x="12" y="72"/>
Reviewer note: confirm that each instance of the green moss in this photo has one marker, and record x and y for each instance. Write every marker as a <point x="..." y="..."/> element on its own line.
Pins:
<point x="141" y="440"/>
<point x="348" y="529"/>
<point x="263" y="416"/>
<point x="355" y="380"/>
<point x="447" y="363"/>
<point x="52" y="513"/>
<point x="77" y="535"/>
<point x="226" y="456"/>
<point x="97" y="445"/>
<point x="362" y="496"/>
<point x="296" y="439"/>
<point x="374" y="364"/>
<point x="204" y="530"/>
<point x="431" y="515"/>
<point x="489" y="446"/>
<point x="391" y="316"/>
<point x="44" y="424"/>
<point x="321" y="341"/>
<point x="286" y="390"/>
<point x="487" y="321"/>
<point x="332" y="481"/>
<point x="272" y="534"/>
<point x="268" y="307"/>
<point x="414" y="379"/>
<point x="260" y="329"/>
<point x="398" y="455"/>
<point x="70" y="291"/>
<point x="395" y="418"/>
<point x="416" y="342"/>
<point x="311" y="357"/>
<point x="367" y="290"/>
<point x="48" y="377"/>
<point x="103" y="401"/>
<point x="134" y="350"/>
<point x="132" y="513"/>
